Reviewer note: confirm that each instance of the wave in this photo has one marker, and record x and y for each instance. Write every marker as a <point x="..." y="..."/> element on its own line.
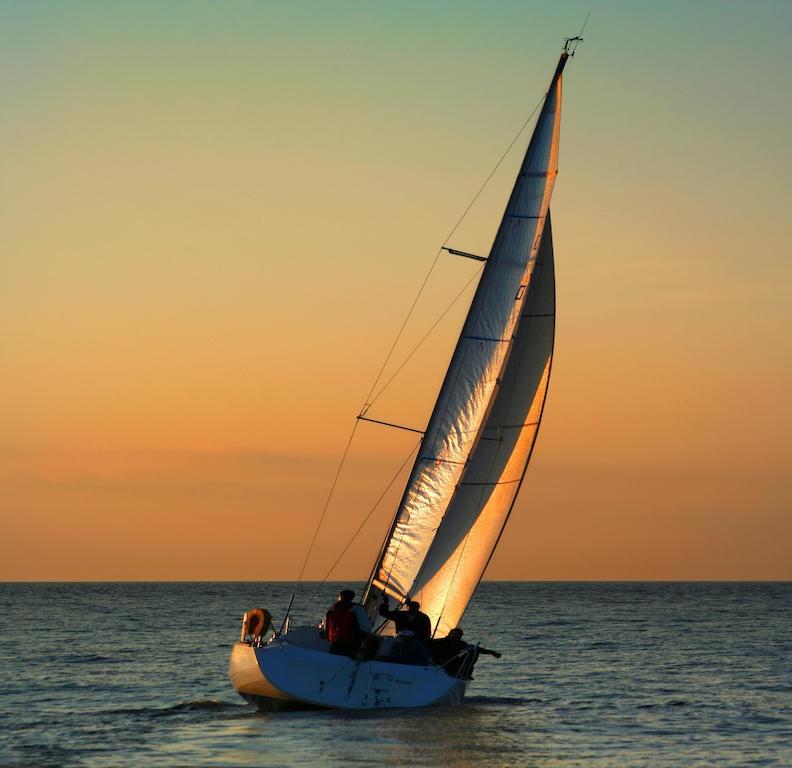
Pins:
<point x="663" y="704"/>
<point x="85" y="658"/>
<point x="498" y="700"/>
<point x="204" y="705"/>
<point x="183" y="707"/>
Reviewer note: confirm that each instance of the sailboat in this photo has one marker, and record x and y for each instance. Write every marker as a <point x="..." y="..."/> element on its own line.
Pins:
<point x="467" y="473"/>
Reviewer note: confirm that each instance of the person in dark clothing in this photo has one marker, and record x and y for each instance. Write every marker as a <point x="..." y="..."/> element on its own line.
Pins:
<point x="453" y="653"/>
<point x="405" y="648"/>
<point x="346" y="625"/>
<point x="411" y="620"/>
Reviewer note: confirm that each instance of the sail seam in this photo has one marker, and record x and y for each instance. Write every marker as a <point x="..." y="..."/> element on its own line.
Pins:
<point x="445" y="461"/>
<point x="486" y="338"/>
<point x="514" y="426"/>
<point x="499" y="482"/>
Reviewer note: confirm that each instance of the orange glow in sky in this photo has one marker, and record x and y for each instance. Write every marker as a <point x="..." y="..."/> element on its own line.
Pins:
<point x="215" y="217"/>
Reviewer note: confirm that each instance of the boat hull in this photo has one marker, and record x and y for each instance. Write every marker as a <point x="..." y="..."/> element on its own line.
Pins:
<point x="282" y="675"/>
<point x="253" y="686"/>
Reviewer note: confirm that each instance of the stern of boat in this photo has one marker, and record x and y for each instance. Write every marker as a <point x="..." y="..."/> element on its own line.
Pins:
<point x="250" y="683"/>
<point x="296" y="670"/>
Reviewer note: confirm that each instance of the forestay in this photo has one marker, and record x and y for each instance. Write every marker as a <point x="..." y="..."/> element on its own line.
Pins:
<point x="444" y="530"/>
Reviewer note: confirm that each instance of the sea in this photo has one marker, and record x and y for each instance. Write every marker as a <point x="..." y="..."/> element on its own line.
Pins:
<point x="594" y="674"/>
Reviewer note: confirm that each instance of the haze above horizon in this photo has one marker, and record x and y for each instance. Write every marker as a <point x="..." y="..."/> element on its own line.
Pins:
<point x="215" y="218"/>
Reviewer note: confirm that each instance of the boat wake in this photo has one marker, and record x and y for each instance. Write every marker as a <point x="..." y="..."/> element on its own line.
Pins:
<point x="198" y="706"/>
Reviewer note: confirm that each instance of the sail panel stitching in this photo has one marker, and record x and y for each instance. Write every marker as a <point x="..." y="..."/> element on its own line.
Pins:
<point x="499" y="482"/>
<point x="487" y="338"/>
<point x="444" y="461"/>
<point x="514" y="426"/>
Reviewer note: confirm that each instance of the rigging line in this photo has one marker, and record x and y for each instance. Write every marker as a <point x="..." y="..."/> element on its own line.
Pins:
<point x="371" y="511"/>
<point x="327" y="500"/>
<point x="582" y="29"/>
<point x="403" y="325"/>
<point x="393" y="561"/>
<point x="401" y="330"/>
<point x="492" y="172"/>
<point x="390" y="424"/>
<point x="425" y="337"/>
<point x="440" y="250"/>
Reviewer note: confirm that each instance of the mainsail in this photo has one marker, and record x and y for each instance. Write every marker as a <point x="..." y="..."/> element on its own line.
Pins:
<point x="481" y="431"/>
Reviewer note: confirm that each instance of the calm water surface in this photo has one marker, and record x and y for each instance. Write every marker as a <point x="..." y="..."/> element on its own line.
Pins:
<point x="622" y="674"/>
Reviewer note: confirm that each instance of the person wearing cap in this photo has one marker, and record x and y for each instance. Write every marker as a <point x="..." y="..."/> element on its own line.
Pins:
<point x="346" y="624"/>
<point x="411" y="620"/>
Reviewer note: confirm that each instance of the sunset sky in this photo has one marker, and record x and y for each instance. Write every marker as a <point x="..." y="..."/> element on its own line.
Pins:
<point x="214" y="217"/>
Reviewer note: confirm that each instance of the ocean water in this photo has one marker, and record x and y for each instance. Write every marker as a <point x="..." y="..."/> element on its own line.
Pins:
<point x="595" y="674"/>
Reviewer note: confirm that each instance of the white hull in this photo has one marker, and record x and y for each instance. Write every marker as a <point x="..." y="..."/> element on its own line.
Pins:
<point x="284" y="675"/>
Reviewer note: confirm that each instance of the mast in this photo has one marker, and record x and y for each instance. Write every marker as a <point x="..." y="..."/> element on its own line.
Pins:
<point x="475" y="374"/>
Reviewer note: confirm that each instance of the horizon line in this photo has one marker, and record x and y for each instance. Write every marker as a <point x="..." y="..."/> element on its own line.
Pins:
<point x="356" y="581"/>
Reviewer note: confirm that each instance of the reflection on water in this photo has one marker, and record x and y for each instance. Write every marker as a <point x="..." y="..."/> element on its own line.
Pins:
<point x="609" y="674"/>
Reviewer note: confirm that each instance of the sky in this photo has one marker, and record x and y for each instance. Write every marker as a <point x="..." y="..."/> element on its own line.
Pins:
<point x="214" y="218"/>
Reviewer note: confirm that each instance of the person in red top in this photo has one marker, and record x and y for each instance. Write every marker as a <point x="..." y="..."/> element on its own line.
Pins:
<point x="346" y="625"/>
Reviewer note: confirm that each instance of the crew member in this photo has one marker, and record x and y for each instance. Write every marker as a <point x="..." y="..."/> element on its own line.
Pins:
<point x="451" y="653"/>
<point x="412" y="619"/>
<point x="346" y="624"/>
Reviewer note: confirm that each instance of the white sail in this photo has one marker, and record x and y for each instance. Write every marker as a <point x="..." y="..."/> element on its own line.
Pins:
<point x="472" y="381"/>
<point x="472" y="525"/>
